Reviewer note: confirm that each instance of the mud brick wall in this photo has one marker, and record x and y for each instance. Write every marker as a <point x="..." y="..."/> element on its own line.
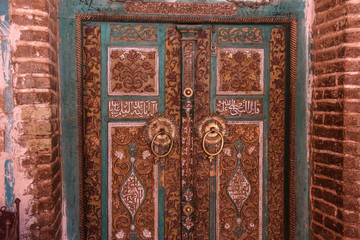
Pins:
<point x="34" y="51"/>
<point x="335" y="134"/>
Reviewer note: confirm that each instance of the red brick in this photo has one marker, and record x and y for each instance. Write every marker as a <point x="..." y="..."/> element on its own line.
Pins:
<point x="327" y="132"/>
<point x="334" y="119"/>
<point x="330" y="145"/>
<point x="316" y="216"/>
<point x="316" y="192"/>
<point x="322" y="231"/>
<point x="352" y="189"/>
<point x="352" y="148"/>
<point x="329" y="106"/>
<point x="31" y="35"/>
<point x="351" y="217"/>
<point x="33" y="4"/>
<point x="33" y="82"/>
<point x="318" y="94"/>
<point x="352" y="134"/>
<point x="327" y="158"/>
<point x="336" y="180"/>
<point x="322" y="6"/>
<point x="325" y="55"/>
<point x="35" y="98"/>
<point x="30" y="20"/>
<point x="352" y="232"/>
<point x="334" y="93"/>
<point x="351" y="203"/>
<point x="328" y="81"/>
<point x="352" y="107"/>
<point x="35" y="67"/>
<point x="351" y="52"/>
<point x="318" y="118"/>
<point x="328" y="184"/>
<point x="351" y="162"/>
<point x="351" y="37"/>
<point x="333" y="198"/>
<point x="35" y="52"/>
<point x="334" y="173"/>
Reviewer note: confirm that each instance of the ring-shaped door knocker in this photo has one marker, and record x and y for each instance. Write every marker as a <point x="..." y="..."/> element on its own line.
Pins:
<point x="153" y="141"/>
<point x="211" y="155"/>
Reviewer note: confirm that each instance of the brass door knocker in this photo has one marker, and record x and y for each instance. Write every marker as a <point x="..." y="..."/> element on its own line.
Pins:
<point x="162" y="134"/>
<point x="212" y="130"/>
<point x="212" y="155"/>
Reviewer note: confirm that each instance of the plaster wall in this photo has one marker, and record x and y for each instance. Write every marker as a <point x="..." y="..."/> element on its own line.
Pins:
<point x="11" y="152"/>
<point x="28" y="126"/>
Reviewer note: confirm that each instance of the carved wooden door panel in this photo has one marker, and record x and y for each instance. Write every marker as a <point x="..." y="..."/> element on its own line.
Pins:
<point x="184" y="131"/>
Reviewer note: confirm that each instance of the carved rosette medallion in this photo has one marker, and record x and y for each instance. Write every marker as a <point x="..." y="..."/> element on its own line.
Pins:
<point x="133" y="71"/>
<point x="240" y="71"/>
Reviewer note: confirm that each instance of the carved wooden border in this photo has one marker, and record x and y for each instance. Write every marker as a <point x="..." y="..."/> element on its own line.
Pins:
<point x="291" y="22"/>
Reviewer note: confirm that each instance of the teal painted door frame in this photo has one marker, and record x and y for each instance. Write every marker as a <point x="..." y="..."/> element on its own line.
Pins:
<point x="105" y="30"/>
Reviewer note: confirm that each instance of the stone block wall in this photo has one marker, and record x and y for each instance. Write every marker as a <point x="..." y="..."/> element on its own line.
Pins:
<point x="34" y="57"/>
<point x="335" y="133"/>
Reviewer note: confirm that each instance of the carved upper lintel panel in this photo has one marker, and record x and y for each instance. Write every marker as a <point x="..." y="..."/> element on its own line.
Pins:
<point x="240" y="34"/>
<point x="175" y="8"/>
<point x="250" y="3"/>
<point x="240" y="71"/>
<point x="133" y="71"/>
<point x="133" y="33"/>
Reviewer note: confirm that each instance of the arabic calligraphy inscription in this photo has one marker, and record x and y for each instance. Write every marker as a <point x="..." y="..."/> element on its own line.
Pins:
<point x="239" y="107"/>
<point x="129" y="109"/>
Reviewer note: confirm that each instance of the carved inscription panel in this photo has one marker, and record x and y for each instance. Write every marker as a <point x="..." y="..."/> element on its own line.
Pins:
<point x="239" y="107"/>
<point x="133" y="109"/>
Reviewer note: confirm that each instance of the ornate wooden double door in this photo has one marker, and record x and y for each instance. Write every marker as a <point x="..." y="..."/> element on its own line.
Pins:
<point x="184" y="131"/>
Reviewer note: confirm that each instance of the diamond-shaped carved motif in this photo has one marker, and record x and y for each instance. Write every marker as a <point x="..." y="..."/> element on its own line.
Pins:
<point x="132" y="194"/>
<point x="239" y="189"/>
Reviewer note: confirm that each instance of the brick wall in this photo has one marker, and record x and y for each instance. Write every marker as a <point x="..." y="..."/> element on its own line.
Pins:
<point x="34" y="49"/>
<point x="335" y="134"/>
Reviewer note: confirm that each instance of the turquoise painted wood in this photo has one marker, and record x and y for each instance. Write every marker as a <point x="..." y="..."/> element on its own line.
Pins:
<point x="252" y="53"/>
<point x="68" y="9"/>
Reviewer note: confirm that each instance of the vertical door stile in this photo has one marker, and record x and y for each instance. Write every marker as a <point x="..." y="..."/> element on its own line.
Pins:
<point x="186" y="129"/>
